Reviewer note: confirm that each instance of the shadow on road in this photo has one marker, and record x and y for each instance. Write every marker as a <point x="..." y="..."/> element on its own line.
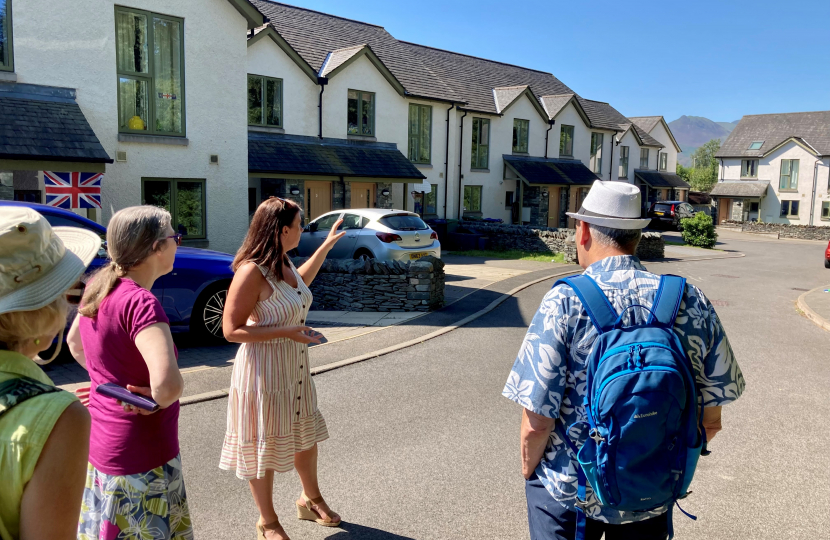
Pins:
<point x="348" y="531"/>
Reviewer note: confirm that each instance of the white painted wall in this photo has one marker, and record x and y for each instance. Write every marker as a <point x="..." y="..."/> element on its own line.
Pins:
<point x="659" y="132"/>
<point x="769" y="169"/>
<point x="78" y="51"/>
<point x="630" y="141"/>
<point x="582" y="135"/>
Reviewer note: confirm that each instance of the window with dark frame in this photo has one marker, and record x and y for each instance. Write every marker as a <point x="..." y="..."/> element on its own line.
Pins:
<point x="789" y="174"/>
<point x="596" y="152"/>
<point x="664" y="160"/>
<point x="508" y="198"/>
<point x="472" y="199"/>
<point x="6" y="46"/>
<point x="420" y="133"/>
<point x="623" y="162"/>
<point x="149" y="51"/>
<point x="183" y="198"/>
<point x="753" y="206"/>
<point x="756" y="145"/>
<point x="644" y="158"/>
<point x="749" y="168"/>
<point x="361" y="113"/>
<point x="431" y="202"/>
<point x="520" y="135"/>
<point x="789" y="209"/>
<point x="825" y="210"/>
<point x="566" y="141"/>
<point x="264" y="101"/>
<point x="480" y="150"/>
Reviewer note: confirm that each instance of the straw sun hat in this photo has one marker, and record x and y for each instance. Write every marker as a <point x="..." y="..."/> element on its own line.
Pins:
<point x="612" y="204"/>
<point x="39" y="263"/>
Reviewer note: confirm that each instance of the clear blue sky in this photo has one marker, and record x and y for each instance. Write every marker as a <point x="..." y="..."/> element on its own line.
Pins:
<point x="718" y="59"/>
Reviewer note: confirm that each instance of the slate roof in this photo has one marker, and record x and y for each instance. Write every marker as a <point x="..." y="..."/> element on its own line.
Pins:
<point x="506" y="95"/>
<point x="339" y="57"/>
<point x="554" y="104"/>
<point x="565" y="172"/>
<point x="313" y="35"/>
<point x="45" y="123"/>
<point x="660" y="179"/>
<point x="646" y="123"/>
<point x="328" y="157"/>
<point x="740" y="189"/>
<point x="647" y="139"/>
<point x="773" y="129"/>
<point x="604" y="116"/>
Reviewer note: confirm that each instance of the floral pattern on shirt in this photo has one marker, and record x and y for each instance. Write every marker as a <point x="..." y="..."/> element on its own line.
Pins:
<point x="549" y="374"/>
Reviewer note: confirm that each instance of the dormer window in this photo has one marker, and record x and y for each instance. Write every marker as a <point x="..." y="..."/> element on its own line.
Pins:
<point x="756" y="145"/>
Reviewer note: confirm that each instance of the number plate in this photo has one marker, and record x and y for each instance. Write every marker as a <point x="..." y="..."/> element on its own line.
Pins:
<point x="413" y="256"/>
<point x="658" y="213"/>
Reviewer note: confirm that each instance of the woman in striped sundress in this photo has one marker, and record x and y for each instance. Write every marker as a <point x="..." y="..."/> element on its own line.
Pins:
<point x="273" y="421"/>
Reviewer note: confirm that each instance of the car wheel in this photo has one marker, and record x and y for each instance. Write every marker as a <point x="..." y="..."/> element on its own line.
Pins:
<point x="827" y="263"/>
<point x="363" y="253"/>
<point x="206" y="319"/>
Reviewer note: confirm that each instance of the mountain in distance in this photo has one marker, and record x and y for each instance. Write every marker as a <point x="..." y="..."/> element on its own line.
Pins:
<point x="692" y="132"/>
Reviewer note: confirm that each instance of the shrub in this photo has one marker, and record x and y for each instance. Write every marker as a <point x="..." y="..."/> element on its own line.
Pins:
<point x="699" y="231"/>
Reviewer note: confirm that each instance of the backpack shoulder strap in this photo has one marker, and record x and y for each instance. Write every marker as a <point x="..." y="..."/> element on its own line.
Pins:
<point x="667" y="301"/>
<point x="599" y="309"/>
<point x="16" y="391"/>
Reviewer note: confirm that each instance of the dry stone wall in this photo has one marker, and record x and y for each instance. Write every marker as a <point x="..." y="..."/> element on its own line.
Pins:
<point x="784" y="230"/>
<point x="371" y="285"/>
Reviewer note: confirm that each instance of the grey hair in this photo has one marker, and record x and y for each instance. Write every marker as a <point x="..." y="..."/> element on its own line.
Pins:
<point x="622" y="239"/>
<point x="133" y="235"/>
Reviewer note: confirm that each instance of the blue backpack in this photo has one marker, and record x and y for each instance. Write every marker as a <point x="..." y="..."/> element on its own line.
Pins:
<point x="645" y="434"/>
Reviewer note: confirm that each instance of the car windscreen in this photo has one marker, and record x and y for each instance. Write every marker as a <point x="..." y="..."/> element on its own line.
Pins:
<point x="403" y="222"/>
<point x="662" y="208"/>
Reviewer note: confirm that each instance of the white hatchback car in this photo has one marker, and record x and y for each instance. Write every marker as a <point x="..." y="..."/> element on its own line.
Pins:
<point x="374" y="232"/>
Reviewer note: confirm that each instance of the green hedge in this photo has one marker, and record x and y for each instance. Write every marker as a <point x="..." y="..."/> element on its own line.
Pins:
<point x="699" y="231"/>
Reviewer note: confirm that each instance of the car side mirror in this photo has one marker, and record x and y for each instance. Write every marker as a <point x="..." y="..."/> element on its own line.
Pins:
<point x="312" y="227"/>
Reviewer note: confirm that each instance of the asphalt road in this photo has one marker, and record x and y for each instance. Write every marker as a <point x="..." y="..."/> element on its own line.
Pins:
<point x="423" y="446"/>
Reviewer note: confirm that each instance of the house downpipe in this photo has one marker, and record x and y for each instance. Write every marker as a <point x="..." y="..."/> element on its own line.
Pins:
<point x="447" y="163"/>
<point x="322" y="81"/>
<point x="813" y="197"/>
<point x="460" y="159"/>
<point x="611" y="156"/>
<point x="550" y="127"/>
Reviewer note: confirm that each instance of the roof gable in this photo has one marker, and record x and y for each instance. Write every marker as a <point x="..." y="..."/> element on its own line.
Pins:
<point x="269" y="32"/>
<point x="338" y="60"/>
<point x="648" y="123"/>
<point x="603" y="116"/>
<point x="557" y="103"/>
<point x="809" y="128"/>
<point x="506" y="96"/>
<point x="254" y="17"/>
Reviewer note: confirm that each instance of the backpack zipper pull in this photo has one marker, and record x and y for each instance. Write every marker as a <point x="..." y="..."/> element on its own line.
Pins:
<point x="638" y="360"/>
<point x="631" y="364"/>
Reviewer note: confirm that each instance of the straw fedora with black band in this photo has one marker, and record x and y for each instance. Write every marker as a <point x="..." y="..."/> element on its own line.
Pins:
<point x="39" y="263"/>
<point x="615" y="205"/>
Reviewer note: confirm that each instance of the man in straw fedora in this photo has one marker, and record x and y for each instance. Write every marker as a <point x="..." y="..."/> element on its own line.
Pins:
<point x="548" y="378"/>
<point x="44" y="431"/>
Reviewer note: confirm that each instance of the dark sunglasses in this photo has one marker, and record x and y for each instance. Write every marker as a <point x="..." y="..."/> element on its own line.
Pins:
<point x="177" y="236"/>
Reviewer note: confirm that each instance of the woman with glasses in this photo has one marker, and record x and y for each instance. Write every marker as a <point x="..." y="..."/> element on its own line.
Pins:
<point x="121" y="335"/>
<point x="273" y="420"/>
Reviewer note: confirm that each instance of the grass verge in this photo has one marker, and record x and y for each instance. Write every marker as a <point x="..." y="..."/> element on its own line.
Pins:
<point x="514" y="254"/>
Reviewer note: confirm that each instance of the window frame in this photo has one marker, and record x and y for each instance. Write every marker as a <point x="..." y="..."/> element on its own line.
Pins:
<point x="149" y="78"/>
<point x="644" y="156"/>
<point x="7" y="63"/>
<point x="360" y="93"/>
<point x="745" y="168"/>
<point x="433" y="189"/>
<point x="663" y="161"/>
<point x="571" y="135"/>
<point x="789" y="205"/>
<point x="174" y="204"/>
<point x="753" y="143"/>
<point x="595" y="158"/>
<point x="480" y="198"/>
<point x="825" y="205"/>
<point x="264" y="79"/>
<point x="474" y="150"/>
<point x="623" y="173"/>
<point x="781" y="175"/>
<point x="525" y="126"/>
<point x="416" y="137"/>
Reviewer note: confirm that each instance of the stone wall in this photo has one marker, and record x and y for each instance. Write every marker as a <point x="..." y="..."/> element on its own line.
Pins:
<point x="370" y="285"/>
<point x="783" y="230"/>
<point x="549" y="240"/>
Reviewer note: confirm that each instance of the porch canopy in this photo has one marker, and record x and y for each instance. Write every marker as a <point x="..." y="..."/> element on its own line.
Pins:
<point x="549" y="171"/>
<point x="276" y="155"/>
<point x="742" y="189"/>
<point x="657" y="179"/>
<point x="42" y="128"/>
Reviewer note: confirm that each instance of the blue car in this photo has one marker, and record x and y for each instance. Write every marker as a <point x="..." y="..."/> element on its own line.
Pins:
<point x="193" y="294"/>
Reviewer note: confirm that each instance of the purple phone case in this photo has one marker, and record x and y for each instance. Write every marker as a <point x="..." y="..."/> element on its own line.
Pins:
<point x="120" y="393"/>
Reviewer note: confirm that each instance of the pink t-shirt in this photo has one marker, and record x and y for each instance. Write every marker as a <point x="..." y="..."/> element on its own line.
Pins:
<point x="124" y="443"/>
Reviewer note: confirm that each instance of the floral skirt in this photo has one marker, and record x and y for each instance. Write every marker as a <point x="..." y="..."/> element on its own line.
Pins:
<point x="151" y="505"/>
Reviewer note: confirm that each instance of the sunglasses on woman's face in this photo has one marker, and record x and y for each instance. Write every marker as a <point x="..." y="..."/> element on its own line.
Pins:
<point x="177" y="237"/>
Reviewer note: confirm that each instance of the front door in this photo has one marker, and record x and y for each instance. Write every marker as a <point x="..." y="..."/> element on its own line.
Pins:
<point x="723" y="209"/>
<point x="363" y="195"/>
<point x="318" y="199"/>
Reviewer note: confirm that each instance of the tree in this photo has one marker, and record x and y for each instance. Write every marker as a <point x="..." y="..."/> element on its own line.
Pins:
<point x="704" y="171"/>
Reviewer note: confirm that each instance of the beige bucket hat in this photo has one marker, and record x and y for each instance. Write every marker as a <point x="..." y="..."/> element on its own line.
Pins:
<point x="39" y="263"/>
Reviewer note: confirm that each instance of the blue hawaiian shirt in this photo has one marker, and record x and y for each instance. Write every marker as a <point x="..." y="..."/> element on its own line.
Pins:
<point x="549" y="375"/>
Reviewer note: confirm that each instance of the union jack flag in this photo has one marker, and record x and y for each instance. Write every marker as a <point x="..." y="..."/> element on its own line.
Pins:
<point x="73" y="189"/>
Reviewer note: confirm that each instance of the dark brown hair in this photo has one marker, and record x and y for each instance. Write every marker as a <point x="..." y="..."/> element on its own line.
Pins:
<point x="263" y="245"/>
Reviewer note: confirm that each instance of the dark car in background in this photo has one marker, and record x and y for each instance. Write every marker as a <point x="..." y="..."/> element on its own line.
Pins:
<point x="193" y="294"/>
<point x="667" y="214"/>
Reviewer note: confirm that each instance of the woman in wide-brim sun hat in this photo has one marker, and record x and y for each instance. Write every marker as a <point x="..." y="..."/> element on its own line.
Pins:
<point x="44" y="431"/>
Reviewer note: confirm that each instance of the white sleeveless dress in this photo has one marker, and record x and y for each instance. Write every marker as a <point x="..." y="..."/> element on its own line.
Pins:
<point x="272" y="404"/>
